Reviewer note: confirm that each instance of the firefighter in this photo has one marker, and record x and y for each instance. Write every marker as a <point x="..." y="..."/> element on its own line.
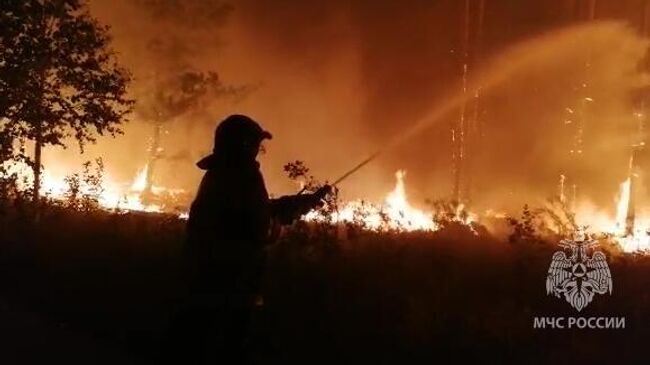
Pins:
<point x="227" y="231"/>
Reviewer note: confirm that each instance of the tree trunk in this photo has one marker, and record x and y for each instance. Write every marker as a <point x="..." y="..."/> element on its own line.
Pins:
<point x="630" y="216"/>
<point x="154" y="155"/>
<point x="38" y="144"/>
<point x="459" y="134"/>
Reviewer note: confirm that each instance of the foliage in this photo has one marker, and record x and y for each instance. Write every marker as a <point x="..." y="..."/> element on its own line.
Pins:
<point x="180" y="86"/>
<point x="549" y="223"/>
<point x="85" y="188"/>
<point x="180" y="92"/>
<point x="171" y="85"/>
<point x="298" y="172"/>
<point x="446" y="212"/>
<point x="14" y="188"/>
<point x="409" y="296"/>
<point x="13" y="195"/>
<point x="70" y="85"/>
<point x="428" y="295"/>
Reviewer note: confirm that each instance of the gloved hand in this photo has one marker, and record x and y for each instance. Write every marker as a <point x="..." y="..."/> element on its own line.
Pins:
<point x="288" y="208"/>
<point x="316" y="198"/>
<point x="323" y="192"/>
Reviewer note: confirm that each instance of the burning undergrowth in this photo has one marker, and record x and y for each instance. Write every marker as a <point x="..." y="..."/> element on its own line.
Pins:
<point x="91" y="190"/>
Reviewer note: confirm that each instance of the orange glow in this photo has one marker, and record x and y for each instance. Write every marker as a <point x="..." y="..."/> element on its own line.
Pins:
<point x="601" y="222"/>
<point x="113" y="195"/>
<point x="395" y="213"/>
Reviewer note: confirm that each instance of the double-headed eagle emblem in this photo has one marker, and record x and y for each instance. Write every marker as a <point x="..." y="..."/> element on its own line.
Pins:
<point x="578" y="277"/>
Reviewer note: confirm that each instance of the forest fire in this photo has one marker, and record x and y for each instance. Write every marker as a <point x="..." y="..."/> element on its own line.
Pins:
<point x="396" y="213"/>
<point x="287" y="129"/>
<point x="99" y="187"/>
<point x="626" y="228"/>
<point x="631" y="230"/>
<point x="180" y="104"/>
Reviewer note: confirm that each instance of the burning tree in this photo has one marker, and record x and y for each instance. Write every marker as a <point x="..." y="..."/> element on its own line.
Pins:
<point x="177" y="93"/>
<point x="180" y="86"/>
<point x="58" y="77"/>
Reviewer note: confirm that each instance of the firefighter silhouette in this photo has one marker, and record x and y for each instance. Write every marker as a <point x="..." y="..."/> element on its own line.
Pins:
<point x="227" y="231"/>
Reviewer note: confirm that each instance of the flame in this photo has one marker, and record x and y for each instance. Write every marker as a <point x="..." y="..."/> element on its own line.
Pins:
<point x="401" y="214"/>
<point x="113" y="195"/>
<point x="599" y="221"/>
<point x="396" y="213"/>
<point x="140" y="181"/>
<point x="622" y="206"/>
<point x="638" y="239"/>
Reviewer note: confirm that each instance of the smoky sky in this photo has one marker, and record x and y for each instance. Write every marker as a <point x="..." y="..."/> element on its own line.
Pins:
<point x="408" y="56"/>
<point x="336" y="80"/>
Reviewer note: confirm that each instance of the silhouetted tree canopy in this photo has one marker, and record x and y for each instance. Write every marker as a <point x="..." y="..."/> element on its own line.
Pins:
<point x="173" y="84"/>
<point x="58" y="76"/>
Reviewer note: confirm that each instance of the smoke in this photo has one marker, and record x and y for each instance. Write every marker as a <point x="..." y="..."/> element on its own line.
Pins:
<point x="585" y="76"/>
<point x="334" y="81"/>
<point x="169" y="47"/>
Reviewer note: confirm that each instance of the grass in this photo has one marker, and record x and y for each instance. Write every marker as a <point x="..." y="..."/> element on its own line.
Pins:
<point x="330" y="294"/>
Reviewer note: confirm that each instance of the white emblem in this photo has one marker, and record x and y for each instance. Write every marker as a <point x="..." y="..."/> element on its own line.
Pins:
<point x="578" y="277"/>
